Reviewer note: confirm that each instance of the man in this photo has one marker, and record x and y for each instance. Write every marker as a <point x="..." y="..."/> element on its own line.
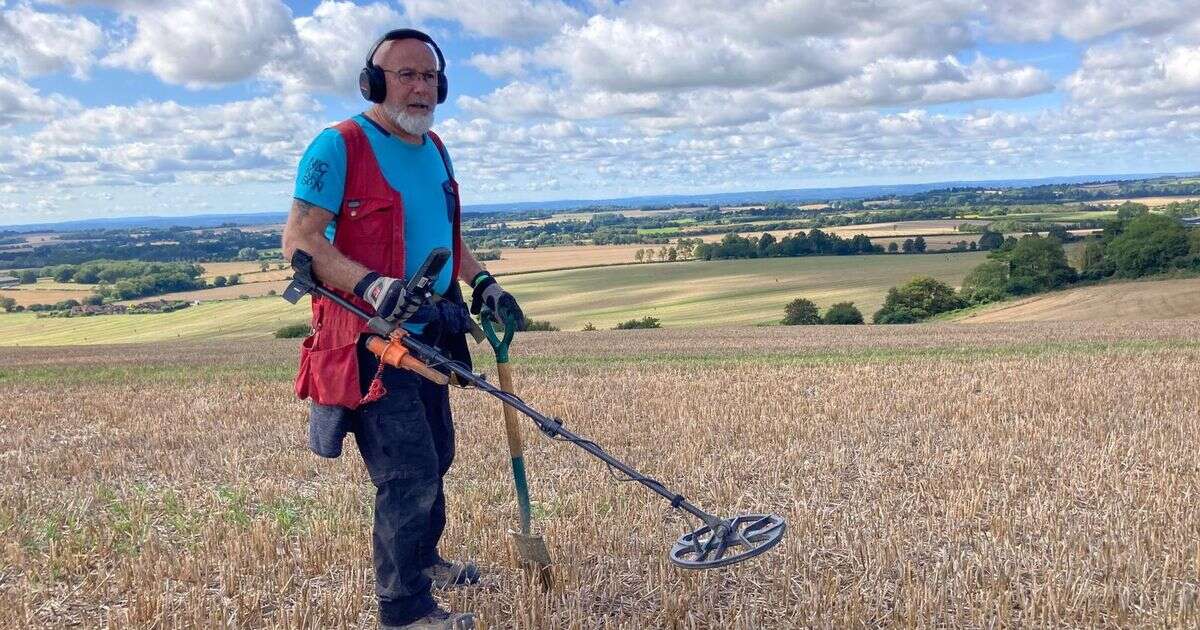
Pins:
<point x="374" y="195"/>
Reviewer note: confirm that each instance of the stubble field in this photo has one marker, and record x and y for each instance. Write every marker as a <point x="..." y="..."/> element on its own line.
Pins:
<point x="936" y="475"/>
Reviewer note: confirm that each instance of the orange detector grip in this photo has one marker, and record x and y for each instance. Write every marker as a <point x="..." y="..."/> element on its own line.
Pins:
<point x="393" y="353"/>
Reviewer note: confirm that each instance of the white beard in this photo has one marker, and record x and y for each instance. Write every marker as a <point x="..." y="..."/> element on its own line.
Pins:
<point x="417" y="125"/>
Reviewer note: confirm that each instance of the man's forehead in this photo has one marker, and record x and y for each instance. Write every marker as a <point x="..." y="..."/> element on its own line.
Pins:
<point x="409" y="53"/>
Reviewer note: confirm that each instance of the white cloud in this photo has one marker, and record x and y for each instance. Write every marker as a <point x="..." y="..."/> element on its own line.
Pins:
<point x="509" y="62"/>
<point x="21" y="103"/>
<point x="928" y="81"/>
<point x="254" y="140"/>
<point x="1141" y="74"/>
<point x="1081" y="20"/>
<point x="40" y="43"/>
<point x="205" y="42"/>
<point x="505" y="19"/>
<point x="331" y="47"/>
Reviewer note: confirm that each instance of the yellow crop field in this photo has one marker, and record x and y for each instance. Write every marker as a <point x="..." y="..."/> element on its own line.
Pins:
<point x="1153" y="202"/>
<point x="937" y="475"/>
<point x="1129" y="301"/>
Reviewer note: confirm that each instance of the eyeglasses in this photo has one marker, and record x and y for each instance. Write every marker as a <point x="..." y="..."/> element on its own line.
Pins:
<point x="410" y="77"/>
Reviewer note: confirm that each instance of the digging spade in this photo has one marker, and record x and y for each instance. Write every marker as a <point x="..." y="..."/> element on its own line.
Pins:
<point x="530" y="548"/>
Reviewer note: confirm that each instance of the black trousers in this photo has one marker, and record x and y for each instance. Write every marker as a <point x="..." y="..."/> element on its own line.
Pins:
<point x="406" y="440"/>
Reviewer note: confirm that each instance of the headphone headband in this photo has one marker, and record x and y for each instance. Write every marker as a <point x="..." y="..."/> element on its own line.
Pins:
<point x="371" y="81"/>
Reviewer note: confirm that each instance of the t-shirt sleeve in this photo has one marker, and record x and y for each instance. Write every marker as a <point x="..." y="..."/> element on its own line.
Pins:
<point x="321" y="176"/>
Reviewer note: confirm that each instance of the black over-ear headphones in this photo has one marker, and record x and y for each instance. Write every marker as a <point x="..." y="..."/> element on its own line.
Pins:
<point x="371" y="81"/>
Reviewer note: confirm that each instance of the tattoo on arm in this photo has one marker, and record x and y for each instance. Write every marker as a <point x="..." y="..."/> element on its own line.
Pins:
<point x="303" y="207"/>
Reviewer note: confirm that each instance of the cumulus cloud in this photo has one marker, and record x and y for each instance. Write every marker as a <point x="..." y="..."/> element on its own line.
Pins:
<point x="927" y="81"/>
<point x="39" y="43"/>
<point x="155" y="142"/>
<point x="205" y="42"/>
<point x="1142" y="74"/>
<point x="21" y="103"/>
<point x="330" y="47"/>
<point x="512" y="20"/>
<point x="509" y="62"/>
<point x="1080" y="20"/>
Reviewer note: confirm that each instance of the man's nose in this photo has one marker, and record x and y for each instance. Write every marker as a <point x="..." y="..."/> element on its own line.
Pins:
<point x="423" y="89"/>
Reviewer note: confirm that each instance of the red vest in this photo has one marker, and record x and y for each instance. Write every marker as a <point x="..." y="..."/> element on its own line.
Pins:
<point x="370" y="231"/>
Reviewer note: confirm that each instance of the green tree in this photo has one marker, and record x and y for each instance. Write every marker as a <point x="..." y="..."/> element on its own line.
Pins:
<point x="64" y="273"/>
<point x="987" y="282"/>
<point x="1149" y="244"/>
<point x="842" y="313"/>
<point x="29" y="276"/>
<point x="645" y="322"/>
<point x="800" y="312"/>
<point x="907" y="247"/>
<point x="219" y="281"/>
<point x="917" y="299"/>
<point x="893" y="247"/>
<point x="765" y="242"/>
<point x="1038" y="264"/>
<point x="919" y="245"/>
<point x="247" y="253"/>
<point x="990" y="240"/>
<point x="8" y="304"/>
<point x="639" y="255"/>
<point x="235" y="278"/>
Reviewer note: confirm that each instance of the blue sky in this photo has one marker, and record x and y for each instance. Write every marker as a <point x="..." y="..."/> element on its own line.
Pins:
<point x="167" y="107"/>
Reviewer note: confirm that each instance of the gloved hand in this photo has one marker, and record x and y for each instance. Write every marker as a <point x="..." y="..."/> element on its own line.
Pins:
<point x="501" y="303"/>
<point x="390" y="298"/>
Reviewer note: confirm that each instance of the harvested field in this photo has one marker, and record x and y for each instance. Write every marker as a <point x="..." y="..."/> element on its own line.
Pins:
<point x="525" y="259"/>
<point x="935" y="475"/>
<point x="1128" y="301"/>
<point x="902" y="228"/>
<point x="248" y="289"/>
<point x="26" y="296"/>
<point x="214" y="269"/>
<point x="1153" y="202"/>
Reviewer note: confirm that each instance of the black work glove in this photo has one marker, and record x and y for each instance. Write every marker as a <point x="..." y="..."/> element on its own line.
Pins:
<point x="501" y="303"/>
<point x="390" y="298"/>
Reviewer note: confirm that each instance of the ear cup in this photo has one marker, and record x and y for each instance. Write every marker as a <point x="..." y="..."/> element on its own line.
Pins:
<point x="443" y="89"/>
<point x="372" y="84"/>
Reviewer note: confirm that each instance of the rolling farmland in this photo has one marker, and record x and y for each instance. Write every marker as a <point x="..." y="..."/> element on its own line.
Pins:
<point x="937" y="475"/>
<point x="1127" y="301"/>
<point x="693" y="293"/>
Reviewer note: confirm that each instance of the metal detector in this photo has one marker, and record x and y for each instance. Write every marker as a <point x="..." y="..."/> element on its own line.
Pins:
<point x="718" y="542"/>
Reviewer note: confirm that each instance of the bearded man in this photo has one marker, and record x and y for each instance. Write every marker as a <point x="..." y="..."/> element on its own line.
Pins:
<point x="374" y="195"/>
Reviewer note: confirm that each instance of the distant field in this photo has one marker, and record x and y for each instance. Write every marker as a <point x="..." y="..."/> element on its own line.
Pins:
<point x="680" y="294"/>
<point x="1126" y="301"/>
<point x="897" y="228"/>
<point x="523" y="259"/>
<point x="248" y="289"/>
<point x="723" y="292"/>
<point x="25" y="297"/>
<point x="236" y="319"/>
<point x="1153" y="202"/>
<point x="214" y="269"/>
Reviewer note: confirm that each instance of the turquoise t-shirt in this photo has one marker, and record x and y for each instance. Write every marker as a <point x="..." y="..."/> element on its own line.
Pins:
<point x="415" y="171"/>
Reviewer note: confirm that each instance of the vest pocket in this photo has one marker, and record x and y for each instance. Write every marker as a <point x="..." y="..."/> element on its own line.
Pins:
<point x="322" y="376"/>
<point x="366" y="219"/>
